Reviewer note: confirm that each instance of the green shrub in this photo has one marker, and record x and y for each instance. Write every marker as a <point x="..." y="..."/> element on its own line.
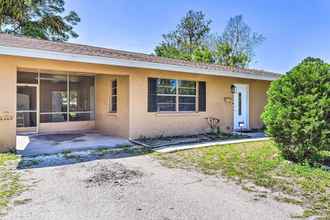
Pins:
<point x="297" y="114"/>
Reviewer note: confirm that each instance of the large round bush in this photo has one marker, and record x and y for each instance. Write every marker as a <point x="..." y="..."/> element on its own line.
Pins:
<point x="297" y="114"/>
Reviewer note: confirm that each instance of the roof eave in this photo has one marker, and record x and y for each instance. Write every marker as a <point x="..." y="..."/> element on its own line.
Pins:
<point x="44" y="54"/>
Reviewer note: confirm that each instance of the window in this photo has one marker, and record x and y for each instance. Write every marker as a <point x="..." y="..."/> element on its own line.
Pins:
<point x="175" y="95"/>
<point x="66" y="98"/>
<point x="166" y="95"/>
<point x="187" y="95"/>
<point x="114" y="91"/>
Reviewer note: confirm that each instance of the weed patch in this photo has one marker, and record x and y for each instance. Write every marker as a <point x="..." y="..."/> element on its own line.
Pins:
<point x="9" y="180"/>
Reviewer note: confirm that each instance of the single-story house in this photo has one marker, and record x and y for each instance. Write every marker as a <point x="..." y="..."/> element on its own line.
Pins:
<point x="54" y="87"/>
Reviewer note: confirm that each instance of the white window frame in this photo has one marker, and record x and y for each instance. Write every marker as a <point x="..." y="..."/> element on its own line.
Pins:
<point x="195" y="96"/>
<point x="167" y="95"/>
<point x="177" y="95"/>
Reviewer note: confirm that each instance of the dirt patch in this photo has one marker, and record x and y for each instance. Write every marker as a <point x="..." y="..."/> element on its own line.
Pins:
<point x="115" y="175"/>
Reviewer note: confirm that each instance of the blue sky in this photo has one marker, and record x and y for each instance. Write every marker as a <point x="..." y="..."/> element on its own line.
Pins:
<point x="294" y="29"/>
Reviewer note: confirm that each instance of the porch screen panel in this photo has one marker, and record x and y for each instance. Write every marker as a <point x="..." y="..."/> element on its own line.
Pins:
<point x="53" y="98"/>
<point x="26" y="107"/>
<point x="81" y="98"/>
<point x="27" y="77"/>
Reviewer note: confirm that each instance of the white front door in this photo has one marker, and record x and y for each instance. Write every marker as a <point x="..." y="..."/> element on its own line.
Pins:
<point x="241" y="107"/>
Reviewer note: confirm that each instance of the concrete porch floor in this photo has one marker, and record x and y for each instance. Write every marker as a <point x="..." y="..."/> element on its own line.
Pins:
<point x="32" y="144"/>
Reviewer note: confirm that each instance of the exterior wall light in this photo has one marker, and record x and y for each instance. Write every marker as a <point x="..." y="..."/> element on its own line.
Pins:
<point x="233" y="89"/>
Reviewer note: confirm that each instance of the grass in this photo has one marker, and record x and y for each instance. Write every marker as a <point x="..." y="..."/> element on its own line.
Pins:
<point x="262" y="164"/>
<point x="4" y="158"/>
<point x="9" y="180"/>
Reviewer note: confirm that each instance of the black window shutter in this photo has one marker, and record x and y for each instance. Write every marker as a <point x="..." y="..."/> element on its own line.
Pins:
<point x="202" y="96"/>
<point x="152" y="95"/>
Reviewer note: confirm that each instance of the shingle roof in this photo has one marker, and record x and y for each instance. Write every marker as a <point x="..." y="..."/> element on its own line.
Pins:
<point x="8" y="40"/>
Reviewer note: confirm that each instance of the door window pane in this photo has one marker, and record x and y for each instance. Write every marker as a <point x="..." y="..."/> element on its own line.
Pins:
<point x="27" y="77"/>
<point x="239" y="103"/>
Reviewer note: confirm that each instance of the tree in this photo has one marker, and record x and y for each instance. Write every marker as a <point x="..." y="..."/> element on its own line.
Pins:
<point x="41" y="19"/>
<point x="297" y="114"/>
<point x="203" y="55"/>
<point x="170" y="50"/>
<point x="188" y="36"/>
<point x="237" y="43"/>
<point x="224" y="56"/>
<point x="193" y="41"/>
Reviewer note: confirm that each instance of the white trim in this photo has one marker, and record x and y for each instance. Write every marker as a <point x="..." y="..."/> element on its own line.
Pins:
<point x="36" y="87"/>
<point x="27" y="84"/>
<point x="44" y="54"/>
<point x="177" y="96"/>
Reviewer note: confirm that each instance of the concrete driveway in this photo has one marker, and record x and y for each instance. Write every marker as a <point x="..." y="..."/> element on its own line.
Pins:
<point x="30" y="145"/>
<point x="137" y="187"/>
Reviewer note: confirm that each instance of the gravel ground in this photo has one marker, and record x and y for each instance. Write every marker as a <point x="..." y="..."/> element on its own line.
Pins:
<point x="136" y="188"/>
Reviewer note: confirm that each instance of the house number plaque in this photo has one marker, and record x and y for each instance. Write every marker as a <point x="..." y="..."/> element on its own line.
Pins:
<point x="6" y="116"/>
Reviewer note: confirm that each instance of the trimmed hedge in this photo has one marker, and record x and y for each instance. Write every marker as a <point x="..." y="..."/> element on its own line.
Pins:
<point x="297" y="114"/>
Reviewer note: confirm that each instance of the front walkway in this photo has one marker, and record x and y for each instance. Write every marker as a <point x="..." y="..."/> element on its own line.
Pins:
<point x="174" y="148"/>
<point x="31" y="145"/>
